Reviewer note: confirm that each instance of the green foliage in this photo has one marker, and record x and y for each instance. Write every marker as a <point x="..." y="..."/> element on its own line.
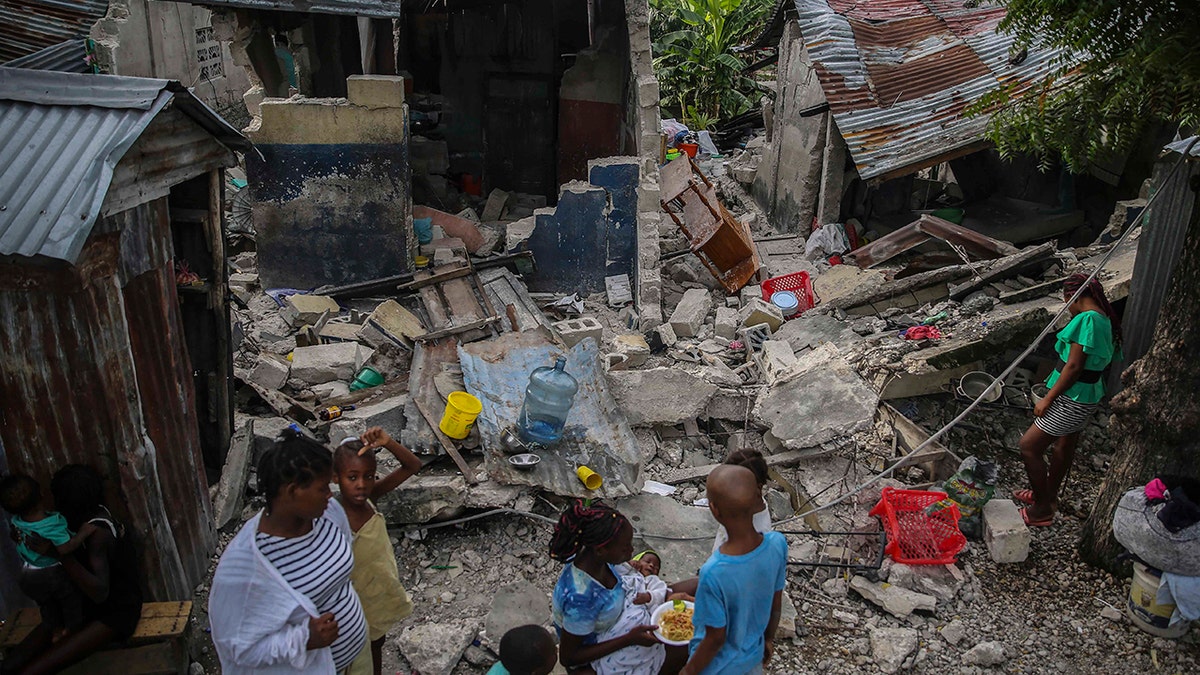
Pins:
<point x="699" y="75"/>
<point x="1125" y="64"/>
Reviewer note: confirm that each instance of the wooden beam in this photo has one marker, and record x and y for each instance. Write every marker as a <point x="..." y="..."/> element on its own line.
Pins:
<point x="447" y="445"/>
<point x="455" y="330"/>
<point x="435" y="279"/>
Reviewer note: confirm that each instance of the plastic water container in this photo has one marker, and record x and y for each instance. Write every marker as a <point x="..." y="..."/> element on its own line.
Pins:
<point x="548" y="400"/>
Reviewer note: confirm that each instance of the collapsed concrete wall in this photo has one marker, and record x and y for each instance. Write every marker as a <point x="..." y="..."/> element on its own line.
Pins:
<point x="801" y="174"/>
<point x="171" y="41"/>
<point x="331" y="188"/>
<point x="643" y="138"/>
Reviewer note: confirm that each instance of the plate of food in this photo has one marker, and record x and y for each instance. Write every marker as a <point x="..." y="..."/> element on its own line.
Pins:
<point x="673" y="619"/>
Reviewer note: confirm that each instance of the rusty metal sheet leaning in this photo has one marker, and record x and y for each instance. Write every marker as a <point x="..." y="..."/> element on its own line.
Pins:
<point x="597" y="434"/>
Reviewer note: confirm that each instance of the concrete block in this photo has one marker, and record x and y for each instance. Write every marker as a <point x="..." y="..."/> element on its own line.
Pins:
<point x="897" y="601"/>
<point x="660" y="395"/>
<point x="648" y="89"/>
<point x="730" y="405"/>
<point x="421" y="499"/>
<point x="330" y="390"/>
<point x="518" y="604"/>
<point x="243" y="279"/>
<point x="436" y="648"/>
<point x="633" y="348"/>
<point x="375" y="91"/>
<point x="388" y="413"/>
<point x="325" y="363"/>
<point x="619" y="290"/>
<point x="691" y="312"/>
<point x="390" y="323"/>
<point x="749" y="292"/>
<point x="1005" y="532"/>
<point x="299" y="310"/>
<point x="759" y="311"/>
<point x="443" y="256"/>
<point x="776" y="358"/>
<point x="574" y="331"/>
<point x="726" y="323"/>
<point x="270" y="373"/>
<point x="518" y="232"/>
<point x="494" y="208"/>
<point x="666" y="334"/>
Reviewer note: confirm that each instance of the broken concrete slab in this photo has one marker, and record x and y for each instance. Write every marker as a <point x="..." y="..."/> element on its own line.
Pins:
<point x="300" y="309"/>
<point x="518" y="232"/>
<point x="633" y="348"/>
<point x="660" y="395"/>
<point x="595" y="435"/>
<point x="758" y="311"/>
<point x="435" y="648"/>
<point x="775" y="358"/>
<point x="516" y="605"/>
<point x="391" y="323"/>
<point x="801" y="418"/>
<point x="666" y="517"/>
<point x="725" y="324"/>
<point x="388" y="413"/>
<point x="326" y="363"/>
<point x="941" y="581"/>
<point x="1005" y="532"/>
<point x="730" y="404"/>
<point x="691" y="312"/>
<point x="787" y="618"/>
<point x="891" y="646"/>
<point x="423" y="499"/>
<point x="493" y="495"/>
<point x="897" y="601"/>
<point x="841" y="281"/>
<point x="270" y="372"/>
<point x="811" y="330"/>
<point x="227" y="504"/>
<point x="494" y="207"/>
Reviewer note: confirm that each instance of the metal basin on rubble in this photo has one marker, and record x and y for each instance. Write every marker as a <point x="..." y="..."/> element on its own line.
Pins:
<point x="976" y="382"/>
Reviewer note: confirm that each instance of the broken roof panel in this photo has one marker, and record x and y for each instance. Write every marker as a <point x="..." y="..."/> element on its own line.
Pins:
<point x="29" y="25"/>
<point x="378" y="8"/>
<point x="65" y="57"/>
<point x="898" y="75"/>
<point x="61" y="137"/>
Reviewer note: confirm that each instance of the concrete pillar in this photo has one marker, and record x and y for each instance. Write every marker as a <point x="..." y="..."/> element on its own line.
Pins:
<point x="833" y="174"/>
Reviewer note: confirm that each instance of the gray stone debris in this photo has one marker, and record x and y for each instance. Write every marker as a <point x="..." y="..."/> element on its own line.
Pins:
<point x="660" y="395"/>
<point x="787" y="618"/>
<point x="726" y="323"/>
<point x="954" y="632"/>
<point x="435" y="648"/>
<point x="691" y="312"/>
<point x="890" y="646"/>
<point x="985" y="654"/>
<point x="897" y="601"/>
<point x="326" y="363"/>
<point x="388" y="413"/>
<point x="936" y="580"/>
<point x="667" y="517"/>
<point x="299" y="310"/>
<point x="424" y="498"/>
<point x="515" y="605"/>
<point x="270" y="372"/>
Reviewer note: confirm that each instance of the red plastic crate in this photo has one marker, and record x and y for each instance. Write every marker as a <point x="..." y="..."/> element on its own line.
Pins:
<point x="914" y="536"/>
<point x="796" y="282"/>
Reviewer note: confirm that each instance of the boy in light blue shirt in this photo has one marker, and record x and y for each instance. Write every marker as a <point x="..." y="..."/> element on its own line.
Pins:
<point x="526" y="650"/>
<point x="741" y="586"/>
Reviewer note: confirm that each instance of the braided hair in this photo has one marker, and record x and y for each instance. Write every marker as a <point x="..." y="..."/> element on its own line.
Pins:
<point x="294" y="458"/>
<point x="584" y="526"/>
<point x="751" y="459"/>
<point x="1096" y="292"/>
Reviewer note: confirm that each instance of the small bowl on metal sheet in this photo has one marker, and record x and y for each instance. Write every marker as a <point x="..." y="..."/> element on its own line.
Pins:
<point x="524" y="461"/>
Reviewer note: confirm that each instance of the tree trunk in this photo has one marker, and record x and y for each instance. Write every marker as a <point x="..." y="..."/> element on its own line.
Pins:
<point x="1156" y="417"/>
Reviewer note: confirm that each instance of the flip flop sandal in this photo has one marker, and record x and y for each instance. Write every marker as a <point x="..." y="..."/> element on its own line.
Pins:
<point x="1036" y="522"/>
<point x="1023" y="496"/>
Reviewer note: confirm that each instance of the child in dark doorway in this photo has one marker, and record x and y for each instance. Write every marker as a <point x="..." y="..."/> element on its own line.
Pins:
<point x="376" y="576"/>
<point x="739" y="599"/>
<point x="105" y="570"/>
<point x="526" y="650"/>
<point x="43" y="578"/>
<point x="1086" y="347"/>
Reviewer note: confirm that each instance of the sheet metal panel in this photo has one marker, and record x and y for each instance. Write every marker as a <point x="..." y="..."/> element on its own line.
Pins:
<point x="27" y="26"/>
<point x="64" y="57"/>
<point x="898" y="74"/>
<point x="61" y="138"/>
<point x="378" y="8"/>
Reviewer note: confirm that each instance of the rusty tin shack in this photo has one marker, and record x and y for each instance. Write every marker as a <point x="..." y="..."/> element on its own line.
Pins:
<point x="108" y="185"/>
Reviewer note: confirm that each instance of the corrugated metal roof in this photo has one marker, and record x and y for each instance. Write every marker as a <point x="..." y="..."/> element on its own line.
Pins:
<point x="61" y="136"/>
<point x="27" y="26"/>
<point x="379" y="8"/>
<point x="64" y="57"/>
<point x="898" y="74"/>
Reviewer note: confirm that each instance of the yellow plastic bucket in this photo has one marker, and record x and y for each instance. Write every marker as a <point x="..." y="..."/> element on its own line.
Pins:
<point x="461" y="411"/>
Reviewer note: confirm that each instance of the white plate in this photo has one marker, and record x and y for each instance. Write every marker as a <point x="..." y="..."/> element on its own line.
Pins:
<point x="658" y="612"/>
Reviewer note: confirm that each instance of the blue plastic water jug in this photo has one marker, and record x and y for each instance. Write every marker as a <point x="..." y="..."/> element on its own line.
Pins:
<point x="548" y="399"/>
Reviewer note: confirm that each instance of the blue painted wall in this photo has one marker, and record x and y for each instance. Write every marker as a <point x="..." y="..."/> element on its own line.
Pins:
<point x="330" y="214"/>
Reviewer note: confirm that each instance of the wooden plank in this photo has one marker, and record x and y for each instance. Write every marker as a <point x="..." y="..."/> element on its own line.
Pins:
<point x="159" y="620"/>
<point x="456" y="330"/>
<point x="435" y="279"/>
<point x="447" y="445"/>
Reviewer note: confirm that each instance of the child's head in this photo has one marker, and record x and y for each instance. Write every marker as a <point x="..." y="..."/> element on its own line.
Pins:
<point x="20" y="495"/>
<point x="295" y="474"/>
<point x="734" y="496"/>
<point x="648" y="563"/>
<point x="354" y="473"/>
<point x="597" y="527"/>
<point x="751" y="459"/>
<point x="528" y="650"/>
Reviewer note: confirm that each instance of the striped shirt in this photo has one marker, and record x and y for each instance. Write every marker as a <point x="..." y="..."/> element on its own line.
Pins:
<point x="318" y="565"/>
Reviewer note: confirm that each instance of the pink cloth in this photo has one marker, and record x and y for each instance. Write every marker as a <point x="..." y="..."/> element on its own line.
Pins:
<point x="1156" y="490"/>
<point x="922" y="333"/>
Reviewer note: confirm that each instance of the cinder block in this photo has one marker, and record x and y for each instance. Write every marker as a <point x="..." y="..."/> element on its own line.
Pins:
<point x="1005" y="532"/>
<point x="326" y="363"/>
<point x="270" y="373"/>
<point x="776" y="357"/>
<point x="666" y="334"/>
<point x="750" y="292"/>
<point x="375" y="91"/>
<point x="759" y="311"/>
<point x="634" y="348"/>
<point x="299" y="310"/>
<point x="726" y="323"/>
<point x="690" y="313"/>
<point x="573" y="331"/>
<point x="620" y="291"/>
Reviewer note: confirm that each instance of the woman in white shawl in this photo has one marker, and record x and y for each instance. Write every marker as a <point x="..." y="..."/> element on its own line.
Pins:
<point x="281" y="599"/>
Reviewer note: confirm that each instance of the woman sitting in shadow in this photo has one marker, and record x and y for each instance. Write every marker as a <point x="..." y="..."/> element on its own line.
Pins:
<point x="105" y="570"/>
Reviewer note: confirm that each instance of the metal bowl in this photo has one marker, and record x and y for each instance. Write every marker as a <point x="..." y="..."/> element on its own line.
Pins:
<point x="525" y="460"/>
<point x="977" y="383"/>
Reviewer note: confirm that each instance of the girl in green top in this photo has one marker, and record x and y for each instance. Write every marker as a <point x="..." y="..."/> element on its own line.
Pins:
<point x="1085" y="349"/>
